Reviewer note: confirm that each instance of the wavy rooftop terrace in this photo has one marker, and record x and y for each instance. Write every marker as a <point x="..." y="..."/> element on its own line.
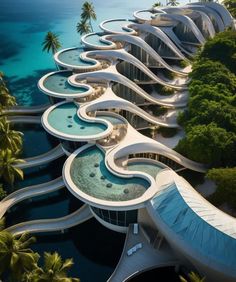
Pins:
<point x="100" y="90"/>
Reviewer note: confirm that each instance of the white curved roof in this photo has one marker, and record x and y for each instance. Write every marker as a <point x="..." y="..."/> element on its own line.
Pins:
<point x="207" y="233"/>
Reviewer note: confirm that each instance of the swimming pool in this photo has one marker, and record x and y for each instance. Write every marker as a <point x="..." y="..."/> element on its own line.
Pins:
<point x="72" y="57"/>
<point x="149" y="168"/>
<point x="94" y="39"/>
<point x="64" y="119"/>
<point x="57" y="82"/>
<point x="90" y="175"/>
<point x="118" y="25"/>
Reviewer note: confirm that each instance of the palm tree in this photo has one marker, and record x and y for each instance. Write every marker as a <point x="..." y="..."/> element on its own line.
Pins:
<point x="15" y="256"/>
<point x="83" y="27"/>
<point x="7" y="169"/>
<point x="3" y="194"/>
<point x="193" y="277"/>
<point x="173" y="3"/>
<point x="51" y="42"/>
<point x="6" y="99"/>
<point x="157" y="4"/>
<point x="2" y="223"/>
<point x="54" y="270"/>
<point x="88" y="13"/>
<point x="9" y="139"/>
<point x="231" y="7"/>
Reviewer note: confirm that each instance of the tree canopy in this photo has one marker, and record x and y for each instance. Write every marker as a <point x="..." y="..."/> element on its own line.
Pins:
<point x="225" y="179"/>
<point x="210" y="120"/>
<point x="231" y="6"/>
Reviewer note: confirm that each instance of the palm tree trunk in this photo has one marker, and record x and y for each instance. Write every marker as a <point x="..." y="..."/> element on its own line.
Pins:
<point x="57" y="67"/>
<point x="91" y="24"/>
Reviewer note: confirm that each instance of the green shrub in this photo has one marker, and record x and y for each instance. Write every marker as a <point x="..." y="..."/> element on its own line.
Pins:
<point x="225" y="179"/>
<point x="167" y="132"/>
<point x="3" y="193"/>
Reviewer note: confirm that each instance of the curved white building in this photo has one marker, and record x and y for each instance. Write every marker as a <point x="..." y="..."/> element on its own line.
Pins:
<point x="132" y="76"/>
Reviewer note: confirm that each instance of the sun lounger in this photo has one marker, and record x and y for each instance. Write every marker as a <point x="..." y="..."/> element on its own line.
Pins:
<point x="134" y="249"/>
<point x="135" y="228"/>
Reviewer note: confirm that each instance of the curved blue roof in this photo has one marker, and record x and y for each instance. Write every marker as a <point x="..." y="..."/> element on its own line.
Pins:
<point x="204" y="238"/>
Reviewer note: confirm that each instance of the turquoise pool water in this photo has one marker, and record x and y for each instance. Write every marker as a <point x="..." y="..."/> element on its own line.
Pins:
<point x="116" y="25"/>
<point x="72" y="57"/>
<point x="151" y="169"/>
<point x="64" y="118"/>
<point x="58" y="83"/>
<point x="94" y="39"/>
<point x="113" y="120"/>
<point x="90" y="175"/>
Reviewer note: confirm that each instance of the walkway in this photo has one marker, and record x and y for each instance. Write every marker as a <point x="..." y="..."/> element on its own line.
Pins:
<point x="21" y="110"/>
<point x="29" y="192"/>
<point x="143" y="258"/>
<point x="47" y="157"/>
<point x="49" y="225"/>
<point x="24" y="119"/>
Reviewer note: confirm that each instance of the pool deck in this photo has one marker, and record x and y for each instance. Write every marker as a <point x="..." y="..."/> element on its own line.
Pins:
<point x="142" y="259"/>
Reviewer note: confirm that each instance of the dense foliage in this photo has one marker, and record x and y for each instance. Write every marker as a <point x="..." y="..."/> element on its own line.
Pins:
<point x="222" y="48"/>
<point x="210" y="121"/>
<point x="231" y="6"/>
<point x="18" y="262"/>
<point x="3" y="193"/>
<point x="225" y="179"/>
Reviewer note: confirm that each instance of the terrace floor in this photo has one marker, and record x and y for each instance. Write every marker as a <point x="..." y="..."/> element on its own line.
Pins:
<point x="152" y="254"/>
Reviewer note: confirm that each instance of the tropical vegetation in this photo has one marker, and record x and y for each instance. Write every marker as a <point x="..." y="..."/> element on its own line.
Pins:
<point x="6" y="99"/>
<point x="3" y="194"/>
<point x="51" y="42"/>
<point x="18" y="262"/>
<point x="157" y="4"/>
<point x="173" y="3"/>
<point x="231" y="6"/>
<point x="192" y="277"/>
<point x="87" y="15"/>
<point x="83" y="27"/>
<point x="10" y="140"/>
<point x="225" y="179"/>
<point x="8" y="171"/>
<point x="210" y="121"/>
<point x="53" y="270"/>
<point x="15" y="255"/>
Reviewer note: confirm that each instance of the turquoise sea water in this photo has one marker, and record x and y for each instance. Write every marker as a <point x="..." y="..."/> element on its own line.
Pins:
<point x="24" y="24"/>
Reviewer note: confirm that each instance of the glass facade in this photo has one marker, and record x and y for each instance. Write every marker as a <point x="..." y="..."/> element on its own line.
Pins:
<point x="120" y="218"/>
